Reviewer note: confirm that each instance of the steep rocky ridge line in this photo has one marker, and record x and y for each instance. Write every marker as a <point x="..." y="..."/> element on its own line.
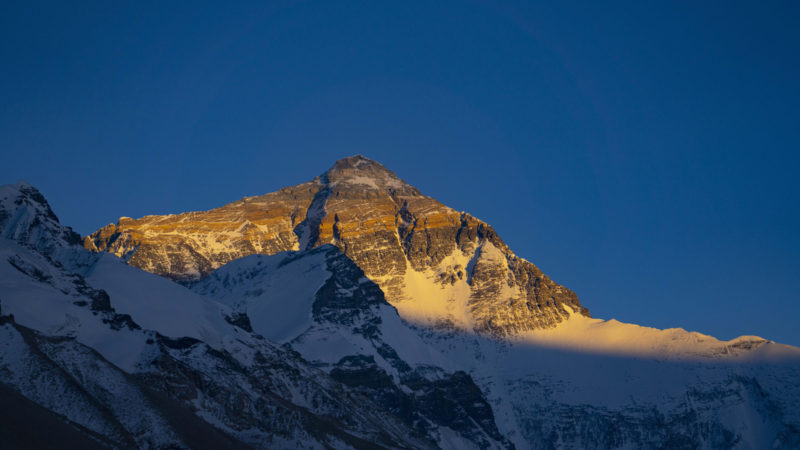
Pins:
<point x="436" y="265"/>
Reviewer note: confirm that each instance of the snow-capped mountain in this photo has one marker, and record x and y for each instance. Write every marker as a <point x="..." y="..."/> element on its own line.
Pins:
<point x="435" y="265"/>
<point x="349" y="311"/>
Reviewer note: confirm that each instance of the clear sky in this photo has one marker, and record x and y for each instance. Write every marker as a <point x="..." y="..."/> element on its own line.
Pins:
<point x="644" y="154"/>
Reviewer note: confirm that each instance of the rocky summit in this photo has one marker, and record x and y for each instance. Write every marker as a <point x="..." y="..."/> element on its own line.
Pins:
<point x="436" y="265"/>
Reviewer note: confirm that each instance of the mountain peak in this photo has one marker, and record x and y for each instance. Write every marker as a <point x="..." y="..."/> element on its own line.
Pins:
<point x="26" y="217"/>
<point x="356" y="162"/>
<point x="360" y="170"/>
<point x="14" y="197"/>
<point x="421" y="253"/>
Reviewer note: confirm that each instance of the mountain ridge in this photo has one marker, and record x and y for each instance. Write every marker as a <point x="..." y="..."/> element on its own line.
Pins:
<point x="343" y="349"/>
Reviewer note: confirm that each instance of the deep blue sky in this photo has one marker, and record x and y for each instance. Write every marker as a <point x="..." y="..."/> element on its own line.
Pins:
<point x="645" y="155"/>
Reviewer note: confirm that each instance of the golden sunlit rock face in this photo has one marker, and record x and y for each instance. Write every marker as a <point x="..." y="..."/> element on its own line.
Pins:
<point x="436" y="265"/>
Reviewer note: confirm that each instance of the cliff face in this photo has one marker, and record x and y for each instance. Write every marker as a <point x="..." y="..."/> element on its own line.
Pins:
<point x="438" y="266"/>
<point x="191" y="245"/>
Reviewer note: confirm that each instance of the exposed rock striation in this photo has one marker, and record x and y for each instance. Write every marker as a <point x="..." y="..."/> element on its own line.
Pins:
<point x="436" y="265"/>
